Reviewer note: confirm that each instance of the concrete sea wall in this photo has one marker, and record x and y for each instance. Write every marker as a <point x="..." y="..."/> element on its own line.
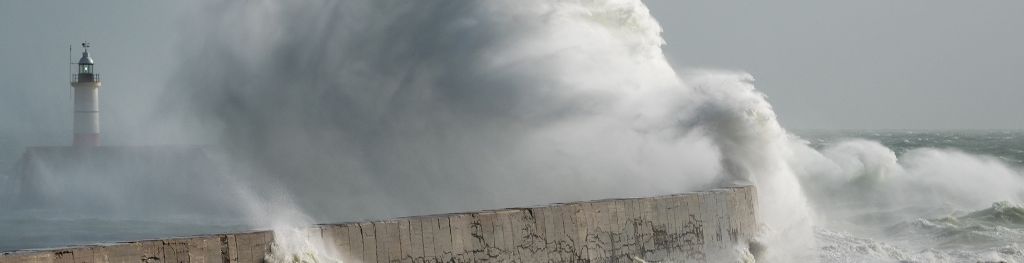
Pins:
<point x="710" y="226"/>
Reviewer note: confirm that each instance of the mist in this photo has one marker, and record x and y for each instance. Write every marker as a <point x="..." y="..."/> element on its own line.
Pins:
<point x="387" y="108"/>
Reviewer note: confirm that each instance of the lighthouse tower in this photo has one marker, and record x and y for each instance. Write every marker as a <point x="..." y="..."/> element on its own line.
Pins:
<point x="86" y="85"/>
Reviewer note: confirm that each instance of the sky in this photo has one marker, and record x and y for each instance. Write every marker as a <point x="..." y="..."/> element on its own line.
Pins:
<point x="871" y="64"/>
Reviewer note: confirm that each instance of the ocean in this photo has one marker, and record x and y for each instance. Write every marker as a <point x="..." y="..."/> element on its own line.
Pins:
<point x="925" y="232"/>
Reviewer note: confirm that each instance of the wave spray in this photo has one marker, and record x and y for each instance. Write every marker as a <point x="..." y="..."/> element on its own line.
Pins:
<point x="387" y="108"/>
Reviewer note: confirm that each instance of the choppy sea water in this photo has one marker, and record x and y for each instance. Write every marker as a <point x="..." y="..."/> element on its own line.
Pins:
<point x="925" y="233"/>
<point x="993" y="233"/>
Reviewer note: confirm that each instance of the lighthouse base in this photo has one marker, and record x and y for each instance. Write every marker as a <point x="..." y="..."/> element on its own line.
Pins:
<point x="86" y="140"/>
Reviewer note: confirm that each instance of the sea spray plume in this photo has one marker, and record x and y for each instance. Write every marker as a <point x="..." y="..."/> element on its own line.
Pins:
<point x="271" y="207"/>
<point x="378" y="108"/>
<point x="382" y="108"/>
<point x="755" y="149"/>
<point x="295" y="240"/>
<point x="400" y="107"/>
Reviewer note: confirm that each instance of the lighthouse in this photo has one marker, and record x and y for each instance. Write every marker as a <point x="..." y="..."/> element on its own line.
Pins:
<point x="86" y="85"/>
<point x="66" y="176"/>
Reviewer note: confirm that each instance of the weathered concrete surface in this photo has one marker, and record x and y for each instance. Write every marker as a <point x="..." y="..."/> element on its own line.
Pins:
<point x="695" y="227"/>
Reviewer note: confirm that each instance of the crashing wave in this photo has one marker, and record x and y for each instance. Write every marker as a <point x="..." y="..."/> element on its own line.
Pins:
<point x="993" y="234"/>
<point x="1002" y="213"/>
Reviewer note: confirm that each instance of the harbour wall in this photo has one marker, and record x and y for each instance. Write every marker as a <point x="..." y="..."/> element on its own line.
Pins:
<point x="708" y="226"/>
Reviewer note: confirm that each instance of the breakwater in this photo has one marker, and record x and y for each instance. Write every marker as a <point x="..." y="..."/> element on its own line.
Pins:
<point x="708" y="226"/>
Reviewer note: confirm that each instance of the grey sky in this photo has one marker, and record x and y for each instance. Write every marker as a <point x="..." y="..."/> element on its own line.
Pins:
<point x="866" y="63"/>
<point x="854" y="64"/>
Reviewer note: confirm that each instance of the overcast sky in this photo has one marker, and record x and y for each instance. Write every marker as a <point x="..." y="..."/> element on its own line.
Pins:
<point x="865" y="64"/>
